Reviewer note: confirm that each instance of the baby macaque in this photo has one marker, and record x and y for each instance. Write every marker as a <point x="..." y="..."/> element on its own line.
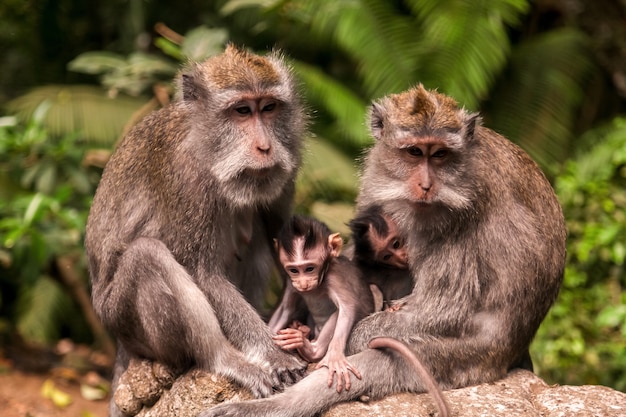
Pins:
<point x="333" y="290"/>
<point x="380" y="252"/>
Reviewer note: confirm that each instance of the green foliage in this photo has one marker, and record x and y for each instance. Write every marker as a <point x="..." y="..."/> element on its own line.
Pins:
<point x="78" y="108"/>
<point x="582" y="341"/>
<point x="137" y="73"/>
<point x="538" y="102"/>
<point x="133" y="75"/>
<point x="531" y="90"/>
<point x="45" y="195"/>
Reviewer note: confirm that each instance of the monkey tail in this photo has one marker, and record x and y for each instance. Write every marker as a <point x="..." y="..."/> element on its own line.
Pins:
<point x="422" y="372"/>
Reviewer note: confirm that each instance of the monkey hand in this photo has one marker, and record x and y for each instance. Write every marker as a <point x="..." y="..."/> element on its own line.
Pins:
<point x="298" y="325"/>
<point x="338" y="364"/>
<point x="290" y="338"/>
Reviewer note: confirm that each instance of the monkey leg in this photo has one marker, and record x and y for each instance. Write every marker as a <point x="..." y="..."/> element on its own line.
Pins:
<point x="382" y="374"/>
<point x="158" y="312"/>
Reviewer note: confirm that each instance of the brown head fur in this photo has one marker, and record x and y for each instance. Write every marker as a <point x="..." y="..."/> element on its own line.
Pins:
<point x="416" y="109"/>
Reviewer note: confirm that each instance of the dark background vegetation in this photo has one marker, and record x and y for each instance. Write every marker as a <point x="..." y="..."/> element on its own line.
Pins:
<point x="550" y="75"/>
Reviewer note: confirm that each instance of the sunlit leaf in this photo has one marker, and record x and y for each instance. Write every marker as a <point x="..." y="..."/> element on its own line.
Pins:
<point x="202" y="42"/>
<point x="86" y="109"/>
<point x="96" y="62"/>
<point x="59" y="398"/>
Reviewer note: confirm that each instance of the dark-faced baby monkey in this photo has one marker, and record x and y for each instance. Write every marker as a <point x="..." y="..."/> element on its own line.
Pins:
<point x="333" y="290"/>
<point x="380" y="252"/>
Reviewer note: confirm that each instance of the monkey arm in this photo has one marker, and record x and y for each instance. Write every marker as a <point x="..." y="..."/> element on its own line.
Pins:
<point x="285" y="309"/>
<point x="335" y="358"/>
<point x="244" y="328"/>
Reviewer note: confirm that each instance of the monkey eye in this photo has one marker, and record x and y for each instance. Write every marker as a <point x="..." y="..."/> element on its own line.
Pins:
<point x="292" y="271"/>
<point x="243" y="110"/>
<point x="269" y="107"/>
<point x="396" y="244"/>
<point x="414" y="151"/>
<point x="386" y="257"/>
<point x="309" y="269"/>
<point x="441" y="153"/>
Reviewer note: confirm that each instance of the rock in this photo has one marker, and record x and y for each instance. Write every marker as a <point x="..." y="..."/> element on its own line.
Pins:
<point x="194" y="392"/>
<point x="521" y="393"/>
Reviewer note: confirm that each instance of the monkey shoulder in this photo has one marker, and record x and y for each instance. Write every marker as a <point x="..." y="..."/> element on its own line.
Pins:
<point x="347" y="283"/>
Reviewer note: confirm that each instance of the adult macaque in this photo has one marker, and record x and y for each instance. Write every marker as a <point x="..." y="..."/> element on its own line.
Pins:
<point x="380" y="252"/>
<point x="333" y="290"/>
<point x="185" y="214"/>
<point x="486" y="243"/>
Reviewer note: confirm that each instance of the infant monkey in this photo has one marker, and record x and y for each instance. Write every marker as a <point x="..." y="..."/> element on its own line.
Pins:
<point x="337" y="296"/>
<point x="380" y="253"/>
<point x="331" y="286"/>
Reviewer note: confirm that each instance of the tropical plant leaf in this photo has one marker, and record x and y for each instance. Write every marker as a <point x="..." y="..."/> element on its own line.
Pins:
<point x="326" y="174"/>
<point x="537" y="103"/>
<point x="85" y="109"/>
<point x="366" y="30"/>
<point x="202" y="42"/>
<point x="467" y="44"/>
<point x="38" y="307"/>
<point x="345" y="107"/>
<point x="233" y="6"/>
<point x="96" y="62"/>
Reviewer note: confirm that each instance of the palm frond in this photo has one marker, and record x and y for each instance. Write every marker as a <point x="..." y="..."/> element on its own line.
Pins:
<point x="539" y="100"/>
<point x="467" y="43"/>
<point x="38" y="310"/>
<point x="345" y="107"/>
<point x="77" y="108"/>
<point x="326" y="174"/>
<point x="380" y="41"/>
<point x="458" y="46"/>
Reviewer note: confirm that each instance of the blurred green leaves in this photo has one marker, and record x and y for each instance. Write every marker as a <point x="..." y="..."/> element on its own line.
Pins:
<point x="46" y="192"/>
<point x="582" y="341"/>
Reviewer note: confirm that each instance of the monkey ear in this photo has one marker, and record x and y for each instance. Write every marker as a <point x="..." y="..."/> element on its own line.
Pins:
<point x="335" y="243"/>
<point x="276" y="246"/>
<point x="470" y="125"/>
<point x="376" y="119"/>
<point x="191" y="91"/>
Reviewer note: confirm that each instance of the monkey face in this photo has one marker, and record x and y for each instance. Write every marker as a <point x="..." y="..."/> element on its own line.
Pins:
<point x="305" y="277"/>
<point x="246" y="124"/>
<point x="419" y="161"/>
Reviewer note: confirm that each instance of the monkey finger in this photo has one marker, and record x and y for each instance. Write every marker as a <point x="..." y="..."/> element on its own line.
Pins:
<point x="332" y="371"/>
<point x="347" y="382"/>
<point x="355" y="371"/>
<point x="286" y="378"/>
<point x="287" y="345"/>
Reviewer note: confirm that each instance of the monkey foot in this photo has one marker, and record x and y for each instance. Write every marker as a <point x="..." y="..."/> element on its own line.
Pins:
<point x="286" y="369"/>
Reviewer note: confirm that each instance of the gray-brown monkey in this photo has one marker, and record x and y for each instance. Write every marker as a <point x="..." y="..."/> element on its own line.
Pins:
<point x="380" y="252"/>
<point x="486" y="244"/>
<point x="335" y="294"/>
<point x="183" y="220"/>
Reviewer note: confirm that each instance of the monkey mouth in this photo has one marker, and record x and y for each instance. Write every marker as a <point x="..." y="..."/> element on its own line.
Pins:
<point x="422" y="205"/>
<point x="258" y="172"/>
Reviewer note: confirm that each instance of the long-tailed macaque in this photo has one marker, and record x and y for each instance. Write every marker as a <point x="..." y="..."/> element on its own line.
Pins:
<point x="183" y="220"/>
<point x="486" y="246"/>
<point x="333" y="290"/>
<point x="379" y="249"/>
